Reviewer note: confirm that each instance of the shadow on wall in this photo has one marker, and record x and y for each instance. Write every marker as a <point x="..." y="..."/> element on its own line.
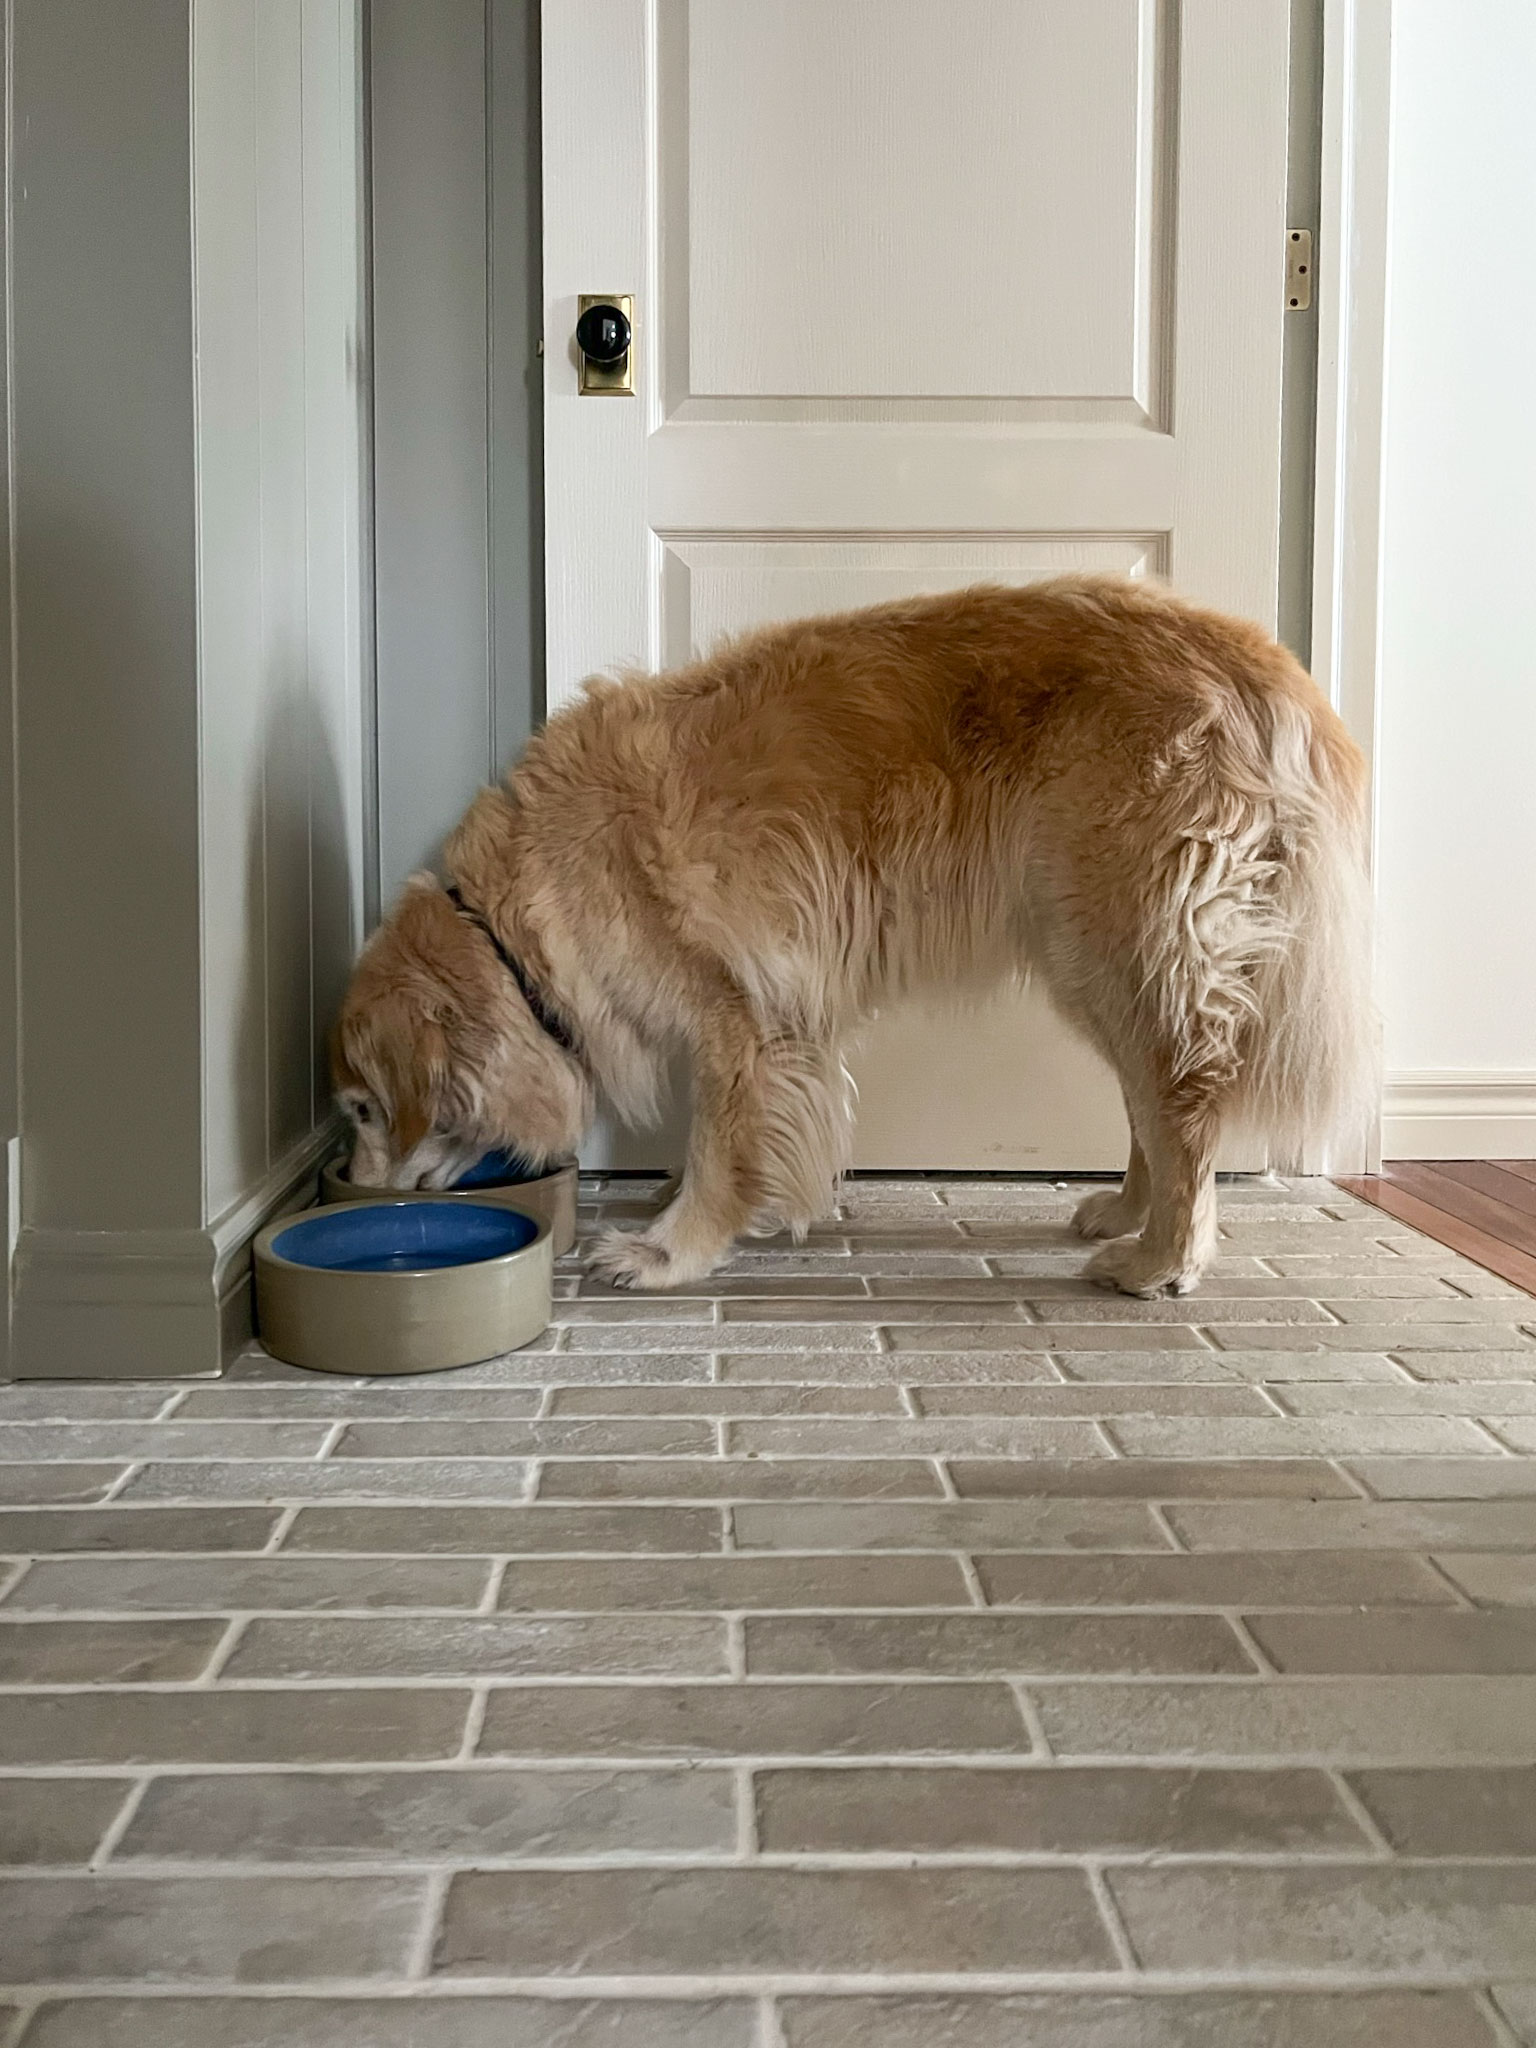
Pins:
<point x="302" y="894"/>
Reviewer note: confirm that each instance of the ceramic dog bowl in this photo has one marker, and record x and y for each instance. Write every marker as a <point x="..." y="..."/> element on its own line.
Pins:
<point x="418" y="1284"/>
<point x="498" y="1179"/>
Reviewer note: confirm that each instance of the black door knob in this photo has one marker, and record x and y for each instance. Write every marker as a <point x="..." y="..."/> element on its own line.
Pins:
<point x="602" y="334"/>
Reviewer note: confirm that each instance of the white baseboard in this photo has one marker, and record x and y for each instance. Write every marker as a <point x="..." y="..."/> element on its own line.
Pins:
<point x="1473" y="1113"/>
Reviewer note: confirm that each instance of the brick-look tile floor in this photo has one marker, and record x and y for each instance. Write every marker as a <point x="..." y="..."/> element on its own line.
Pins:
<point x="898" y="1645"/>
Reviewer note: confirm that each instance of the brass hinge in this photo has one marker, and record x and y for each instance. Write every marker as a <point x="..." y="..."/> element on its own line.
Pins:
<point x="1298" y="269"/>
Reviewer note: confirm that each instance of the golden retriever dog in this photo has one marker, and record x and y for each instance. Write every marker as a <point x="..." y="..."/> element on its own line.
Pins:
<point x="1149" y="807"/>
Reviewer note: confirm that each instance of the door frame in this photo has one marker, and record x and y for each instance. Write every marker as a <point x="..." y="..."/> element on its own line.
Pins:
<point x="493" y="691"/>
<point x="1351" y="281"/>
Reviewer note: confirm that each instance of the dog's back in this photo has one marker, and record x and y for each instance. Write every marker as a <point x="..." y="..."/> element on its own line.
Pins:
<point x="901" y="796"/>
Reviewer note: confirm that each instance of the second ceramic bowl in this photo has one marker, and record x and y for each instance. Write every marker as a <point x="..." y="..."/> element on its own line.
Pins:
<point x="498" y="1179"/>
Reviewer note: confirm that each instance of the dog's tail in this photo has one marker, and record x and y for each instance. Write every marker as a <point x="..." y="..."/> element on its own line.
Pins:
<point x="1307" y="1081"/>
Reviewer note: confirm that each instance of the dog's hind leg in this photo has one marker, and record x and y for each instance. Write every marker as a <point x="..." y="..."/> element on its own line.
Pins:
<point x="1115" y="1212"/>
<point x="1178" y="1132"/>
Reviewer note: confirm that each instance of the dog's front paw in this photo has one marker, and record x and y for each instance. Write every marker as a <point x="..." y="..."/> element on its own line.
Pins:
<point x="1135" y="1268"/>
<point x="1106" y="1214"/>
<point x="631" y="1258"/>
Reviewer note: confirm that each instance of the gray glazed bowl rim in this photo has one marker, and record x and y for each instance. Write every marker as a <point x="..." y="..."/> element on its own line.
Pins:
<point x="335" y="1169"/>
<point x="266" y="1239"/>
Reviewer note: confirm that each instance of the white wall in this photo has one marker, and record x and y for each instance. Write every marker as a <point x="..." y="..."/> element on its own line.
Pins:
<point x="1457" y="759"/>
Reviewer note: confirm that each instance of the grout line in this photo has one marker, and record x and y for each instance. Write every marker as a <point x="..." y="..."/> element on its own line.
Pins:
<point x="735" y="1645"/>
<point x="941" y="1470"/>
<point x="546" y="1404"/>
<point x="727" y="1531"/>
<point x="9" y="1585"/>
<point x="1034" y="1726"/>
<point x="491" y="1592"/>
<point x="770" y="2032"/>
<point x="746" y="1815"/>
<point x="174" y="1402"/>
<point x="1109" y="1912"/>
<point x="1352" y="1479"/>
<point x="1357" y="1810"/>
<point x="426" y="1999"/>
<point x="1492" y="2013"/>
<point x="223" y="1650"/>
<point x="123" y="1480"/>
<point x="1158" y="1513"/>
<point x="332" y="1438"/>
<point x="1489" y="1431"/>
<point x="532" y="1477"/>
<point x="1240" y="1629"/>
<point x="972" y="1578"/>
<point x="1405" y="1367"/>
<point x="281" y="1530"/>
<point x="1464" y="1600"/>
<point x="909" y="1402"/>
<point x="418" y="1963"/>
<point x="474" y="1722"/>
<point x="119" y="1824"/>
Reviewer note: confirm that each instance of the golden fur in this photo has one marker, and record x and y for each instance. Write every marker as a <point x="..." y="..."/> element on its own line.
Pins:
<point x="1148" y="806"/>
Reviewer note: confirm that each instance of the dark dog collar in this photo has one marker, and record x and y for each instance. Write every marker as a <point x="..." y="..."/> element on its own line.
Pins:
<point x="549" y="1020"/>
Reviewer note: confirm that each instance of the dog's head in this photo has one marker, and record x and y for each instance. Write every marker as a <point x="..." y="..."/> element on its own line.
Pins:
<point x="436" y="1057"/>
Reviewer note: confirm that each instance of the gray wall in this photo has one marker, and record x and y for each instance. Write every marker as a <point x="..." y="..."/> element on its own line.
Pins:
<point x="457" y="453"/>
<point x="9" y="1117"/>
<point x="106" y="612"/>
<point x="184" y="362"/>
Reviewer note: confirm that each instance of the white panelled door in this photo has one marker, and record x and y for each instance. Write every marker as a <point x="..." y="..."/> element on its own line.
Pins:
<point x="926" y="292"/>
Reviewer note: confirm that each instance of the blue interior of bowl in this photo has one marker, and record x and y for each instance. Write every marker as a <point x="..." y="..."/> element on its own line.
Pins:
<point x="403" y="1237"/>
<point x="499" y="1170"/>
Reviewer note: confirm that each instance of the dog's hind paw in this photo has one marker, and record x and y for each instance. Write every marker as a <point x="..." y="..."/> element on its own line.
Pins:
<point x="631" y="1258"/>
<point x="1136" y="1268"/>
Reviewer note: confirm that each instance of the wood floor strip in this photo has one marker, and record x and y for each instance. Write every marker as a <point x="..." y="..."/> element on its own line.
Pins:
<point x="1488" y="1252"/>
<point x="1523" y="1169"/>
<point x="1488" y="1178"/>
<point x="1505" y="1225"/>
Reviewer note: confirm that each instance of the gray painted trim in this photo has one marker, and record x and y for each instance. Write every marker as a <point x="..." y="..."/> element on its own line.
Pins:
<point x="457" y="454"/>
<point x="10" y="1122"/>
<point x="1298" y="413"/>
<point x="516" y="248"/>
<point x="106" y="607"/>
<point x="431" y="430"/>
<point x="367" y="552"/>
<point x="151" y="1304"/>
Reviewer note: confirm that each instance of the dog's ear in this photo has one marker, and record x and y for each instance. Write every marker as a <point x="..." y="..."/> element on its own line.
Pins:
<point x="413" y="1066"/>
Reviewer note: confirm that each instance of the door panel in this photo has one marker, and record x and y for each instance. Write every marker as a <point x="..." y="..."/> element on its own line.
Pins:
<point x="967" y="191"/>
<point x="712" y="589"/>
<point x="927" y="292"/>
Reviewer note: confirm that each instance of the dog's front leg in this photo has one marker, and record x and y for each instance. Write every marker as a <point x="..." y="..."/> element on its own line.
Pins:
<point x="720" y="1194"/>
